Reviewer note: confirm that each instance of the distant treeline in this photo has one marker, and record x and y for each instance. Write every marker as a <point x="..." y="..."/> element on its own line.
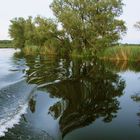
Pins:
<point x="128" y="44"/>
<point x="5" y="41"/>
<point x="6" y="44"/>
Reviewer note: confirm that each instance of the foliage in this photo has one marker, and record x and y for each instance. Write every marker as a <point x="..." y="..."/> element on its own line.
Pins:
<point x="40" y="31"/>
<point x="90" y="24"/>
<point x="86" y="26"/>
<point x="16" y="31"/>
<point x="30" y="50"/>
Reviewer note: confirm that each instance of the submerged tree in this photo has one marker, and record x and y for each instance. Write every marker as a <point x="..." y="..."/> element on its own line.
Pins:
<point x="90" y="24"/>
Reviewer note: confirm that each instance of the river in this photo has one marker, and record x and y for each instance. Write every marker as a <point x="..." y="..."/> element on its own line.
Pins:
<point x="47" y="98"/>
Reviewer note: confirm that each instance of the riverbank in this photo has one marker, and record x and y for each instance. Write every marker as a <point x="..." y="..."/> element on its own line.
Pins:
<point x="119" y="53"/>
<point x="122" y="53"/>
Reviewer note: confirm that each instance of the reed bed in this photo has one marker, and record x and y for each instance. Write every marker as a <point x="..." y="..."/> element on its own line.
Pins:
<point x="127" y="53"/>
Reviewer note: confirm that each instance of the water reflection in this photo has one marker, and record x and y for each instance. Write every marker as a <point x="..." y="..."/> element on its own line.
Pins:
<point x="123" y="66"/>
<point x="87" y="90"/>
<point x="136" y="98"/>
<point x="88" y="97"/>
<point x="32" y="104"/>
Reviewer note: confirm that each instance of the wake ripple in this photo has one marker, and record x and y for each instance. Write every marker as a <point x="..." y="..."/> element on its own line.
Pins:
<point x="13" y="103"/>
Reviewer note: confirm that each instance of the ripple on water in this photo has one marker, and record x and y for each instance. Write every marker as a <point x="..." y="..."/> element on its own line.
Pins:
<point x="13" y="103"/>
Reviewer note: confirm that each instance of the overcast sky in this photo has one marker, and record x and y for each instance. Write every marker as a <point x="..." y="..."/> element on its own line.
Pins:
<point x="24" y="8"/>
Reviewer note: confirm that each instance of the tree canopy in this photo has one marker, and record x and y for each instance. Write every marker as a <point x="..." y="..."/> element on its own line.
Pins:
<point x="32" y="31"/>
<point x="85" y="25"/>
<point x="90" y="23"/>
<point x="16" y="31"/>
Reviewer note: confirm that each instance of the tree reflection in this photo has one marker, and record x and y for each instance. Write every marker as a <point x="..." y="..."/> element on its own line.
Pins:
<point x="122" y="66"/>
<point x="136" y="98"/>
<point x="32" y="104"/>
<point x="87" y="90"/>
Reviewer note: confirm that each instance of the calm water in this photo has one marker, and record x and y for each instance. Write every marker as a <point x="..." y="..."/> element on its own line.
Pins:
<point x="45" y="98"/>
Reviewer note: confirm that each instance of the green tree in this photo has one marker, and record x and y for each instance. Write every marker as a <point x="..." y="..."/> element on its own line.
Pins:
<point x="16" y="31"/>
<point x="90" y="23"/>
<point x="38" y="31"/>
<point x="29" y="32"/>
<point x="45" y="29"/>
<point x="22" y="31"/>
<point x="48" y="35"/>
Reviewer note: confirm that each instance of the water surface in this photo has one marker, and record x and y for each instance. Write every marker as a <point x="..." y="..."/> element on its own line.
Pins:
<point x="50" y="98"/>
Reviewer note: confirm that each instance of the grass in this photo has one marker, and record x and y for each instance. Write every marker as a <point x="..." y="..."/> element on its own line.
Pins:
<point x="125" y="53"/>
<point x="117" y="53"/>
<point x="32" y="50"/>
<point x="86" y="53"/>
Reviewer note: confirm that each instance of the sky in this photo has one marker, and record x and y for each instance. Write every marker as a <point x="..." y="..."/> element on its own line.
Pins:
<point x="10" y="9"/>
